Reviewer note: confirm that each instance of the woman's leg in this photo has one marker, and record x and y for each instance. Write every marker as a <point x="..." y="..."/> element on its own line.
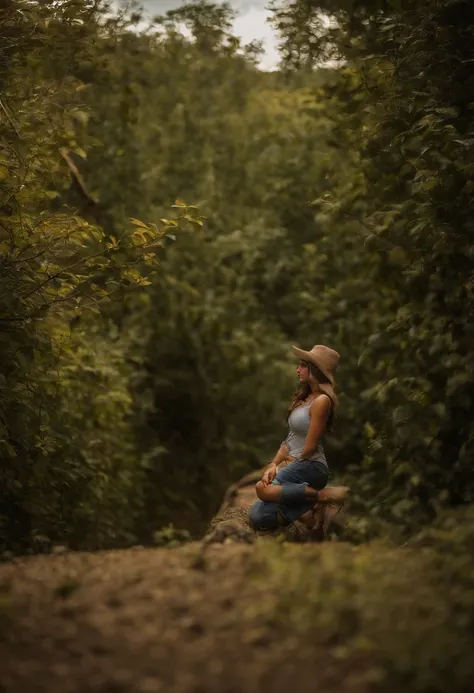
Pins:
<point x="298" y="483"/>
<point x="276" y="493"/>
<point x="273" y="493"/>
<point x="298" y="489"/>
<point x="292" y="495"/>
<point x="274" y="510"/>
<point x="264" y="516"/>
<point x="294" y="490"/>
<point x="318" y="516"/>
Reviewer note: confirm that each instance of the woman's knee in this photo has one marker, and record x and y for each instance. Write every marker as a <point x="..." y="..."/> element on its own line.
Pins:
<point x="255" y="515"/>
<point x="262" y="491"/>
<point x="270" y="493"/>
<point x="263" y="515"/>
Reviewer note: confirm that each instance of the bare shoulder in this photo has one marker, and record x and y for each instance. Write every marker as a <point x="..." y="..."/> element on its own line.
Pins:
<point x="320" y="405"/>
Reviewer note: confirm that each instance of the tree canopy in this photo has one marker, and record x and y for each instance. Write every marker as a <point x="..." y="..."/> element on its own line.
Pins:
<point x="173" y="218"/>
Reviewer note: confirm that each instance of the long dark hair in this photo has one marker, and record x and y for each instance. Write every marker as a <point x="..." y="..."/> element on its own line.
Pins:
<point x="303" y="391"/>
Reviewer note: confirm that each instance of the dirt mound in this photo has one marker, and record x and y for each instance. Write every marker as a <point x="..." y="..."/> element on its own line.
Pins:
<point x="146" y="621"/>
<point x="237" y="618"/>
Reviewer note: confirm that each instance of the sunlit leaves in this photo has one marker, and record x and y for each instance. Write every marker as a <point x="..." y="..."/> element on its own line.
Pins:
<point x="56" y="268"/>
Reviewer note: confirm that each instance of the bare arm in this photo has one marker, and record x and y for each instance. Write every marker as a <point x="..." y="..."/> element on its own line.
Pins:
<point x="271" y="469"/>
<point x="319" y="412"/>
<point x="282" y="454"/>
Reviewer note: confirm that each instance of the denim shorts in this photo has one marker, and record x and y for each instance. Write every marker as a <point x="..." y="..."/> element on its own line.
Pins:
<point x="293" y="503"/>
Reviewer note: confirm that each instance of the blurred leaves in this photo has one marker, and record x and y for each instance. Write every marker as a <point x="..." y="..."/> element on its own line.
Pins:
<point x="144" y="344"/>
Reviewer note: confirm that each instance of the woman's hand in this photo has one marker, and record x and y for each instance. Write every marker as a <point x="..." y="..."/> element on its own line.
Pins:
<point x="270" y="474"/>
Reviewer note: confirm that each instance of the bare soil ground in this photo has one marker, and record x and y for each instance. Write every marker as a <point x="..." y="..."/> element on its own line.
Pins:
<point x="239" y="613"/>
<point x="149" y="620"/>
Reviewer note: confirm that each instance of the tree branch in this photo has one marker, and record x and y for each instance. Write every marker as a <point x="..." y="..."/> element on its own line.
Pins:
<point x="77" y="178"/>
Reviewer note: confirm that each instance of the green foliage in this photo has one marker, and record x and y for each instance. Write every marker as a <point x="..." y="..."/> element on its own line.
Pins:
<point x="55" y="265"/>
<point x="92" y="417"/>
<point x="332" y="205"/>
<point x="407" y="613"/>
<point x="171" y="537"/>
<point x="207" y="350"/>
<point x="408" y="89"/>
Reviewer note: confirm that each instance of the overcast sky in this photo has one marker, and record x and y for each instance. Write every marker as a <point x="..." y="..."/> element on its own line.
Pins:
<point x="250" y="23"/>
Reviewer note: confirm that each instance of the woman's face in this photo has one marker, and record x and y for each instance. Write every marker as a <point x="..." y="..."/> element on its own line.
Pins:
<point x="302" y="371"/>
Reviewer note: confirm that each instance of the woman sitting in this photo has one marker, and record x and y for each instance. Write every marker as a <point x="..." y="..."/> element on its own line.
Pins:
<point x="292" y="492"/>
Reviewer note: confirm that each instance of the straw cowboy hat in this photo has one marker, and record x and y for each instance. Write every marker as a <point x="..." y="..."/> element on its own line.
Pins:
<point x="327" y="360"/>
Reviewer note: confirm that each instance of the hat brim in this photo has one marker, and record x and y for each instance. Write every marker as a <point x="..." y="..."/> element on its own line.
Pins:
<point x="307" y="356"/>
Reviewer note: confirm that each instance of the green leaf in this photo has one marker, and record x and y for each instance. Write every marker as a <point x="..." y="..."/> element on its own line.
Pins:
<point x="9" y="448"/>
<point x="137" y="222"/>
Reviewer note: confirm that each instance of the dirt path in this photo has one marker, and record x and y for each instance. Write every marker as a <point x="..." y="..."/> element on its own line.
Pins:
<point x="242" y="618"/>
<point x="149" y="620"/>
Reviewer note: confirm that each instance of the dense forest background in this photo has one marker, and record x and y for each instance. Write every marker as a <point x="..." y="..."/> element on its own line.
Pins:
<point x="173" y="218"/>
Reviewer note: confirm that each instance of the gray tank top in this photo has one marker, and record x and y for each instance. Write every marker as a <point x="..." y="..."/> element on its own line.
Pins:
<point x="298" y="422"/>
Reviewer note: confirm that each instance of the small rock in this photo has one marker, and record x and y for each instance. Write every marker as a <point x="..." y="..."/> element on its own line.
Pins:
<point x="58" y="550"/>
